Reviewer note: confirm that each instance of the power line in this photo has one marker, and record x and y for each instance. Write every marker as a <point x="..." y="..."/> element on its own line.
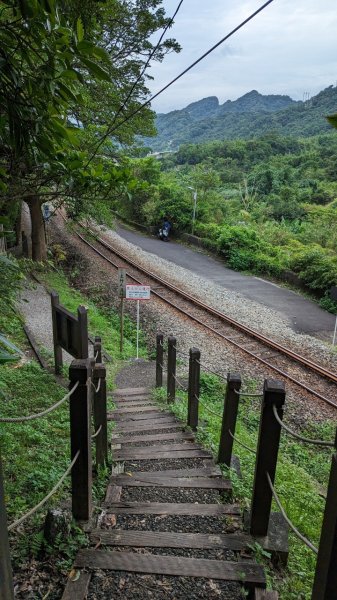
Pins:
<point x="151" y="55"/>
<point x="137" y="110"/>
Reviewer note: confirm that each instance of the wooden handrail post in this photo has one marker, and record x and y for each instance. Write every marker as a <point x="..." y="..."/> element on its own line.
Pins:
<point x="58" y="360"/>
<point x="230" y="412"/>
<point x="100" y="414"/>
<point x="80" y="432"/>
<point x="266" y="458"/>
<point x="6" y="579"/>
<point x="325" y="582"/>
<point x="193" y="388"/>
<point x="82" y="316"/>
<point x="98" y="349"/>
<point x="171" y="369"/>
<point x="159" y="359"/>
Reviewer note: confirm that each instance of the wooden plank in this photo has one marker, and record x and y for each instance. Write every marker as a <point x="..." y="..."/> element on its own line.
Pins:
<point x="155" y="437"/>
<point x="131" y="391"/>
<point x="130" y="418"/>
<point x="246" y="573"/>
<point x="113" y="493"/>
<point x="158" y="449"/>
<point x="160" y="539"/>
<point x="180" y="508"/>
<point x="152" y="425"/>
<point x="34" y="345"/>
<point x="211" y="471"/>
<point x="134" y="409"/>
<point x="77" y="590"/>
<point x="174" y="455"/>
<point x="261" y="594"/>
<point x="175" y="482"/>
<point x="126" y="403"/>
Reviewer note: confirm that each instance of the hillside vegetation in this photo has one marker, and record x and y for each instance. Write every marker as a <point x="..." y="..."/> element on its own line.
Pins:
<point x="266" y="205"/>
<point x="255" y="115"/>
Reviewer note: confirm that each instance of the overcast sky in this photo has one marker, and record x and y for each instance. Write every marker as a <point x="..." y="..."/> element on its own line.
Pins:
<point x="289" y="48"/>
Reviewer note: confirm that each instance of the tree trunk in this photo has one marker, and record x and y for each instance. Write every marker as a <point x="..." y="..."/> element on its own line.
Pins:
<point x="39" y="248"/>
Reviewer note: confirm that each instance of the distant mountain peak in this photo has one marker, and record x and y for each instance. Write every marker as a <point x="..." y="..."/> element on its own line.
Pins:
<point x="253" y="114"/>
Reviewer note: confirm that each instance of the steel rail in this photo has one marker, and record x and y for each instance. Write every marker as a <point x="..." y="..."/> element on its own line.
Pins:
<point x="307" y="362"/>
<point x="213" y="312"/>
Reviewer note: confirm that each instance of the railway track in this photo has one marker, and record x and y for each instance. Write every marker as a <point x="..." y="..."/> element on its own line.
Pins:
<point x="302" y="371"/>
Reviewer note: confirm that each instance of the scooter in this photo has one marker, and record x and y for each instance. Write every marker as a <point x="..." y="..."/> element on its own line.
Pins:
<point x="163" y="234"/>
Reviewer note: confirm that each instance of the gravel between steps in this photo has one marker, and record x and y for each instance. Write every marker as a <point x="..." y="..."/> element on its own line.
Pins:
<point x="105" y="586"/>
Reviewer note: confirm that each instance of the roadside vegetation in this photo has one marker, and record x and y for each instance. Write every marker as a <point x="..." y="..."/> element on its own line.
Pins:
<point x="36" y="453"/>
<point x="267" y="205"/>
<point x="301" y="477"/>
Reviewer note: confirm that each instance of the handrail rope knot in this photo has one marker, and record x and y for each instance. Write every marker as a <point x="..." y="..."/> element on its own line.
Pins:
<point x="286" y="518"/>
<point x="46" y="498"/>
<point x="297" y="436"/>
<point x="241" y="443"/>
<point x="42" y="413"/>
<point x="98" y="385"/>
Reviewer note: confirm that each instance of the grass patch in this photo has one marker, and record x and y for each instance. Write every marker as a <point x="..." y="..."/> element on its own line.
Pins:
<point x="302" y="472"/>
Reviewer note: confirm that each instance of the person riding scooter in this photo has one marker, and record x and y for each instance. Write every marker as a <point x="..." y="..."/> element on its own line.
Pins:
<point x="165" y="230"/>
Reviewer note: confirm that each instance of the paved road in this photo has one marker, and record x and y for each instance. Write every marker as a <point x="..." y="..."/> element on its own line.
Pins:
<point x="304" y="315"/>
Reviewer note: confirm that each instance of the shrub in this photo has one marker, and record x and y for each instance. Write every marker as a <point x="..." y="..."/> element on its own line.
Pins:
<point x="317" y="269"/>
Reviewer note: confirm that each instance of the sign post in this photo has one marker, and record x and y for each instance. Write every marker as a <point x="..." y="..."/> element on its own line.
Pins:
<point x="333" y="296"/>
<point x="121" y="294"/>
<point x="137" y="292"/>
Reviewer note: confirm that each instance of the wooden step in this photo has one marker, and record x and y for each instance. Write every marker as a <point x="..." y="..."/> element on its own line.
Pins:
<point x="130" y="403"/>
<point x="130" y="418"/>
<point x="204" y="483"/>
<point x="261" y="594"/>
<point x="167" y="539"/>
<point x="141" y="391"/>
<point x="209" y="471"/>
<point x="247" y="573"/>
<point x="77" y="589"/>
<point x="155" y="437"/>
<point x="163" y="455"/>
<point x="179" y="508"/>
<point x="134" y="409"/>
<point x="151" y="425"/>
<point x="156" y="449"/>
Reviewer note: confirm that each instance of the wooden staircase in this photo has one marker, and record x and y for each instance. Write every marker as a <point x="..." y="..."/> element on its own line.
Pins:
<point x="154" y="456"/>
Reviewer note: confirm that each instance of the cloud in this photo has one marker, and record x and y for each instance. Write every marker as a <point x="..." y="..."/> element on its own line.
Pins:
<point x="289" y="48"/>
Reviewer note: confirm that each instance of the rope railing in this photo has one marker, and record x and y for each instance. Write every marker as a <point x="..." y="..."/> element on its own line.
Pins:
<point x="208" y="409"/>
<point x="178" y="382"/>
<point x="210" y="370"/>
<point x="94" y="435"/>
<point x="250" y="394"/>
<point x="297" y="436"/>
<point x="96" y="355"/>
<point x="98" y="385"/>
<point x="241" y="443"/>
<point x="40" y="414"/>
<point x="46" y="498"/>
<point x="286" y="518"/>
<point x="180" y="352"/>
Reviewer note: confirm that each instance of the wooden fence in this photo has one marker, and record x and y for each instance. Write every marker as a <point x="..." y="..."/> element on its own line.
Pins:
<point x="270" y="529"/>
<point x="88" y="425"/>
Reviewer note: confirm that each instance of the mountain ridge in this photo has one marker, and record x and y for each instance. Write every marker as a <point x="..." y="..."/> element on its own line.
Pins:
<point x="251" y="115"/>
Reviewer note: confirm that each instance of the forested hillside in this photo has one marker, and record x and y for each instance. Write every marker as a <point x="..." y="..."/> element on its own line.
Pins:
<point x="252" y="115"/>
